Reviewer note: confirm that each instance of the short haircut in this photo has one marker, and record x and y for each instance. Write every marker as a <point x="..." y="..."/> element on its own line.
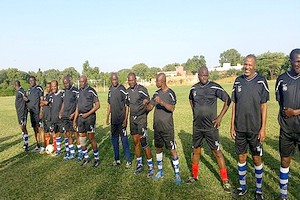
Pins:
<point x="32" y="77"/>
<point x="293" y="53"/>
<point x="114" y="74"/>
<point x="251" y="56"/>
<point x="17" y="83"/>
<point x="55" y="81"/>
<point x="131" y="74"/>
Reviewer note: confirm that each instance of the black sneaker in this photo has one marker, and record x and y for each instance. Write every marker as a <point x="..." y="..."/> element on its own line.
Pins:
<point x="282" y="197"/>
<point x="26" y="147"/>
<point x="85" y="161"/>
<point x="191" y="181"/>
<point x="227" y="188"/>
<point x="96" y="163"/>
<point x="241" y="192"/>
<point x="259" y="196"/>
<point x="116" y="163"/>
<point x="128" y="165"/>
<point x="139" y="169"/>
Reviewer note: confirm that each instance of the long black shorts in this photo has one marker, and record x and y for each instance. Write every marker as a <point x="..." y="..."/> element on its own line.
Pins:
<point x="164" y="138"/>
<point x="288" y="143"/>
<point x="22" y="117"/>
<point x="86" y="125"/>
<point x="245" y="139"/>
<point x="211" y="137"/>
<point x="138" y="124"/>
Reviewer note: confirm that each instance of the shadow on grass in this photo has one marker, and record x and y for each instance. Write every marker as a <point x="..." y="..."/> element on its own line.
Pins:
<point x="10" y="144"/>
<point x="3" y="139"/>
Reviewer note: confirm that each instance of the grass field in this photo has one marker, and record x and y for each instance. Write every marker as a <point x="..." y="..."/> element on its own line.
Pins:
<point x="34" y="176"/>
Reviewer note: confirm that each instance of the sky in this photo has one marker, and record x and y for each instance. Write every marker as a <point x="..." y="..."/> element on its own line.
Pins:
<point x="113" y="35"/>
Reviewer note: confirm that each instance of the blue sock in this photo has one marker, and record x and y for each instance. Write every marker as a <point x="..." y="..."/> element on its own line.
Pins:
<point x="58" y="143"/>
<point x="25" y="138"/>
<point x="284" y="179"/>
<point x="67" y="146"/>
<point x="96" y="154"/>
<point x="139" y="161"/>
<point x="175" y="162"/>
<point x="126" y="148"/>
<point x="150" y="163"/>
<point x="159" y="160"/>
<point x="79" y="149"/>
<point x="72" y="150"/>
<point x="258" y="175"/>
<point x="242" y="168"/>
<point x="115" y="143"/>
<point x="85" y="153"/>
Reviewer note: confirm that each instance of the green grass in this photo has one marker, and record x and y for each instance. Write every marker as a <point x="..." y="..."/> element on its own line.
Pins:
<point x="34" y="176"/>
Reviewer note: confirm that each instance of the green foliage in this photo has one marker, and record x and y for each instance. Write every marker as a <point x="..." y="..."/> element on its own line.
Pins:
<point x="170" y="67"/>
<point x="141" y="70"/>
<point x="92" y="73"/>
<point x="214" y="75"/>
<point x="192" y="65"/>
<point x="233" y="72"/>
<point x="123" y="75"/>
<point x="71" y="72"/>
<point x="231" y="56"/>
<point x="270" y="64"/>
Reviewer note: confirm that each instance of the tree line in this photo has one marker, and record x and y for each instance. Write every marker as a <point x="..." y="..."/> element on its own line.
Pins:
<point x="269" y="64"/>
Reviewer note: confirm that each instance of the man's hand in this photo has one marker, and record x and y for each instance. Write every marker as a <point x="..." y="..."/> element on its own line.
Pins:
<point x="72" y="116"/>
<point x="217" y="122"/>
<point x="145" y="101"/>
<point x="124" y="124"/>
<point x="288" y="112"/>
<point x="59" y="115"/>
<point x="107" y="121"/>
<point x="84" y="115"/>
<point x="158" y="100"/>
<point x="74" y="125"/>
<point x="261" y="135"/>
<point x="232" y="133"/>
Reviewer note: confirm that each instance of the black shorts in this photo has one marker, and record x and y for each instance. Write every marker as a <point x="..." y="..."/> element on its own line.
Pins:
<point x="243" y="139"/>
<point x="138" y="124"/>
<point x="288" y="143"/>
<point x="117" y="129"/>
<point x="86" y="125"/>
<point x="56" y="127"/>
<point x="211" y="137"/>
<point x="47" y="126"/>
<point x="166" y="138"/>
<point x="34" y="118"/>
<point x="22" y="117"/>
<point x="67" y="125"/>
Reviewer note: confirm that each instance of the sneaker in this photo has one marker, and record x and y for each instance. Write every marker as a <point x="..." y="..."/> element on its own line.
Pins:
<point x="150" y="173"/>
<point x="241" y="192"/>
<point x="128" y="165"/>
<point x="96" y="163"/>
<point x="79" y="157"/>
<point x="116" y="163"/>
<point x="85" y="161"/>
<point x="282" y="197"/>
<point x="191" y="181"/>
<point x="26" y="147"/>
<point x="70" y="157"/>
<point x="139" y="169"/>
<point x="42" y="150"/>
<point x="160" y="174"/>
<point x="36" y="149"/>
<point x="177" y="179"/>
<point x="259" y="196"/>
<point x="227" y="187"/>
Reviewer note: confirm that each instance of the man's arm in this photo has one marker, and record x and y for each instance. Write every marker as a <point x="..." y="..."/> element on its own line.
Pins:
<point x="289" y="112"/>
<point x="75" y="118"/>
<point x="217" y="121"/>
<point x="108" y="114"/>
<point x="93" y="110"/>
<point x="262" y="132"/>
<point x="168" y="106"/>
<point x="192" y="105"/>
<point x="232" y="129"/>
<point x="124" y="125"/>
<point x="61" y="110"/>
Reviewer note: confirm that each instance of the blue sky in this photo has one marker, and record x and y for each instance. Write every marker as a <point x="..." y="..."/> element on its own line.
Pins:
<point x="118" y="34"/>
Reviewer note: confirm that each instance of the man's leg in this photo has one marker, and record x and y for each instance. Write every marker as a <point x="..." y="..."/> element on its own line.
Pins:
<point x="126" y="147"/>
<point x="95" y="148"/>
<point x="115" y="131"/>
<point x="83" y="143"/>
<point x="24" y="136"/>
<point x="79" y="149"/>
<point x="137" y="151"/>
<point x="58" y="143"/>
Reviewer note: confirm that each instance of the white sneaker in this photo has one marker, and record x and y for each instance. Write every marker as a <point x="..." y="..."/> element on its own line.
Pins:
<point x="42" y="150"/>
<point x="36" y="149"/>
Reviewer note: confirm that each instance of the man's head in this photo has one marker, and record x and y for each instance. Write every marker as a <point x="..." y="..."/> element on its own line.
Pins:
<point x="54" y="86"/>
<point x="160" y="80"/>
<point x="249" y="65"/>
<point x="114" y="79"/>
<point x="82" y="81"/>
<point x="32" y="81"/>
<point x="48" y="87"/>
<point x="17" y="84"/>
<point x="66" y="82"/>
<point x="203" y="75"/>
<point x="131" y="79"/>
<point x="295" y="60"/>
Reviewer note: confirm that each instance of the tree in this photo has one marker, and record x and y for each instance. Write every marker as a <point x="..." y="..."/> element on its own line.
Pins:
<point x="231" y="56"/>
<point x="286" y="65"/>
<point x="270" y="64"/>
<point x="92" y="73"/>
<point x="141" y="70"/>
<point x="152" y="72"/>
<point x="170" y="67"/>
<point x="192" y="65"/>
<point x="123" y="75"/>
<point x="53" y="74"/>
<point x="72" y="73"/>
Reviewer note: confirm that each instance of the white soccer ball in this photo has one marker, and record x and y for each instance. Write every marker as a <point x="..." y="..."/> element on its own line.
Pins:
<point x="49" y="149"/>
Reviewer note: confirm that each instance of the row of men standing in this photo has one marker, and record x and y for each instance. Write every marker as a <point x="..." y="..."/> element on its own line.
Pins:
<point x="248" y="125"/>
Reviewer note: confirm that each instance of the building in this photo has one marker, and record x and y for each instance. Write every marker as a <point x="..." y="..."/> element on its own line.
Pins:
<point x="178" y="72"/>
<point x="227" y="66"/>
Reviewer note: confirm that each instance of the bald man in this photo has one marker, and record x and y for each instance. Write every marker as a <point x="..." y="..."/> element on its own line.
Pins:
<point x="164" y="101"/>
<point x="85" y="119"/>
<point x="203" y="100"/>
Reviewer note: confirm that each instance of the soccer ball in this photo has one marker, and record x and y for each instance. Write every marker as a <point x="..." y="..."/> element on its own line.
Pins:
<point x="49" y="149"/>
